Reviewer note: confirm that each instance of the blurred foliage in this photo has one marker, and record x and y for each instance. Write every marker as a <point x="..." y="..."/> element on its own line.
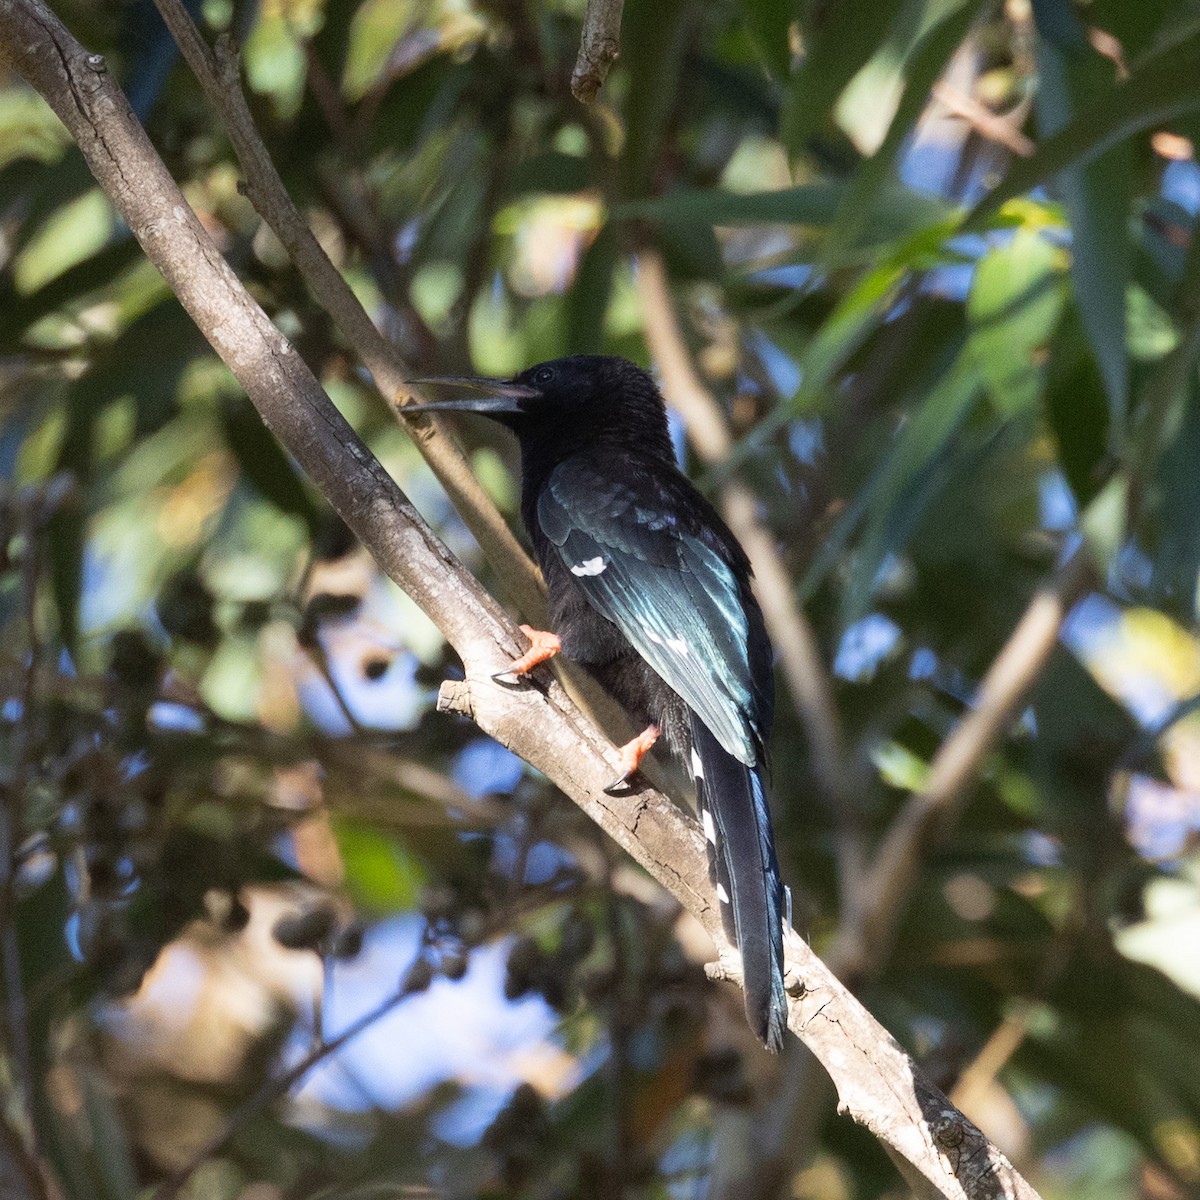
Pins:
<point x="956" y="338"/>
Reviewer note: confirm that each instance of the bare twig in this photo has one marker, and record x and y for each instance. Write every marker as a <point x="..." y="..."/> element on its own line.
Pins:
<point x="219" y="75"/>
<point x="318" y="657"/>
<point x="598" y="48"/>
<point x="878" y="1084"/>
<point x="799" y="655"/>
<point x="980" y="1073"/>
<point x="1004" y="130"/>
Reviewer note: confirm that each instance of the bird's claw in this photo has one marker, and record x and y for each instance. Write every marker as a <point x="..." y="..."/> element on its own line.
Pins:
<point x="632" y="754"/>
<point x="509" y="677"/>
<point x="617" y="784"/>
<point x="543" y="646"/>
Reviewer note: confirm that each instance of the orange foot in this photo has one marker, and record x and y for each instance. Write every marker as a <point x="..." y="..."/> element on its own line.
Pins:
<point x="632" y="754"/>
<point x="543" y="647"/>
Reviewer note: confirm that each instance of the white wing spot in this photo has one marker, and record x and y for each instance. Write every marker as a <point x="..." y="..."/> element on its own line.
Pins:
<point x="652" y="635"/>
<point x="722" y="894"/>
<point x="709" y="831"/>
<point x="697" y="766"/>
<point x="589" y="566"/>
<point x="679" y="646"/>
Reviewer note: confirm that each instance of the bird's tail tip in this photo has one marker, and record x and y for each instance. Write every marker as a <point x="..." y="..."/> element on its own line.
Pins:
<point x="767" y="1012"/>
<point x="743" y="869"/>
<point x="776" y="1027"/>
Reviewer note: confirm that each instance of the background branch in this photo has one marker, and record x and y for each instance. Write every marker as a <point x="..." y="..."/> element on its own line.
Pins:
<point x="799" y="654"/>
<point x="874" y="901"/>
<point x="930" y="813"/>
<point x="219" y="75"/>
<point x="877" y="1082"/>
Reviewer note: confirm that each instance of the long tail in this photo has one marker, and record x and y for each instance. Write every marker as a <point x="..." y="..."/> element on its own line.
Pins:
<point x="743" y="869"/>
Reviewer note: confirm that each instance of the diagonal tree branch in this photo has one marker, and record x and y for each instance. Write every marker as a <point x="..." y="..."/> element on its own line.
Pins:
<point x="877" y="1082"/>
<point x="219" y="75"/>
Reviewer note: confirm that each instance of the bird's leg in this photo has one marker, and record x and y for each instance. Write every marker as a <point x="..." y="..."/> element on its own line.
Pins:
<point x="543" y="647"/>
<point x="632" y="754"/>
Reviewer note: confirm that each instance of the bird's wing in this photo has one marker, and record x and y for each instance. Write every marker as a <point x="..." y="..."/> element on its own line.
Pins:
<point x="664" y="584"/>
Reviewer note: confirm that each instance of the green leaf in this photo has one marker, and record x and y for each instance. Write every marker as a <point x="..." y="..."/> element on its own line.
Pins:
<point x="264" y="464"/>
<point x="550" y="171"/>
<point x="1105" y="521"/>
<point x="113" y="1153"/>
<point x="590" y="292"/>
<point x="72" y="234"/>
<point x="655" y="36"/>
<point x="913" y="474"/>
<point x="1077" y="408"/>
<point x="896" y="211"/>
<point x="690" y="250"/>
<point x="858" y="314"/>
<point x="1096" y="195"/>
<point x="848" y="37"/>
<point x="927" y="63"/>
<point x="1176" y="557"/>
<point x="899" y="767"/>
<point x="380" y="874"/>
<point x="768" y="22"/>
<point x="1150" y="332"/>
<point x="1013" y="309"/>
<point x="72" y="285"/>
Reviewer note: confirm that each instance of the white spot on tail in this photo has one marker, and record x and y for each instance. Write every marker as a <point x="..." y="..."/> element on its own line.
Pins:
<point x="722" y="894"/>
<point x="697" y="766"/>
<point x="652" y="635"/>
<point x="679" y="646"/>
<point x="589" y="566"/>
<point x="709" y="831"/>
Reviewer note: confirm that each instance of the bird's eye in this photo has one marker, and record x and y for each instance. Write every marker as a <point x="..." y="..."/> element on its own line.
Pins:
<point x="544" y="375"/>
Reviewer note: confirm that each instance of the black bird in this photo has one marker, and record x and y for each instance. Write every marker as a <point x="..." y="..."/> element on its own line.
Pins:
<point x="650" y="591"/>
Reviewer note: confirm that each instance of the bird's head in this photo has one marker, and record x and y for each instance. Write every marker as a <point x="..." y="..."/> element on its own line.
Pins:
<point x="560" y="406"/>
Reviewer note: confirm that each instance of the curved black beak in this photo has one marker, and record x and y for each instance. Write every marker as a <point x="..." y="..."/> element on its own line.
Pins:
<point x="502" y="395"/>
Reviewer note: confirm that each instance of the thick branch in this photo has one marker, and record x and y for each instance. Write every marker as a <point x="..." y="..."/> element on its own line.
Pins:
<point x="219" y="75"/>
<point x="878" y="1084"/>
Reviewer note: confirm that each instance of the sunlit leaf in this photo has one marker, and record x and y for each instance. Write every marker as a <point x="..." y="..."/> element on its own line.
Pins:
<point x="381" y="876"/>
<point x="769" y="22"/>
<point x="847" y="36"/>
<point x="1013" y="309"/>
<point x="926" y="64"/>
